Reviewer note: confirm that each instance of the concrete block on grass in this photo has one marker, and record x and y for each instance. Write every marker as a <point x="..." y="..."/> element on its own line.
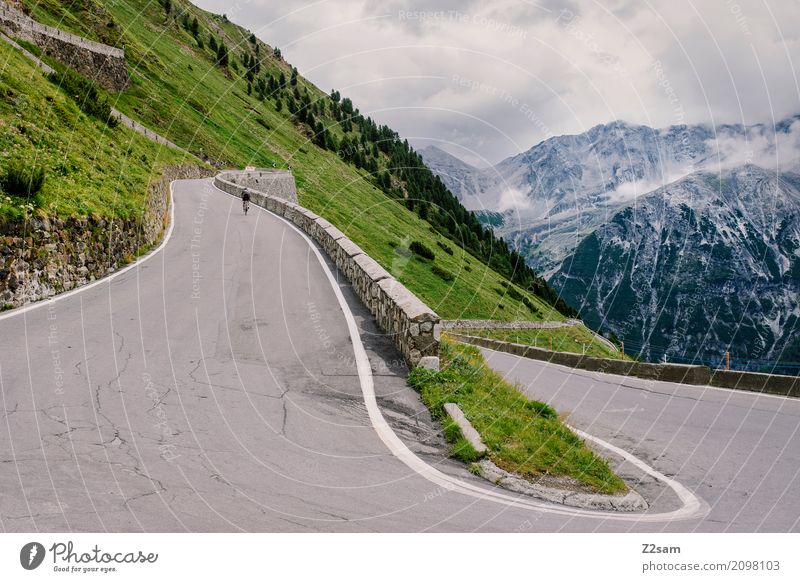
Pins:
<point x="429" y="363"/>
<point x="466" y="428"/>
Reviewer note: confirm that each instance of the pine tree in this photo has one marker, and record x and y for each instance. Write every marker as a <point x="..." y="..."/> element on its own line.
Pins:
<point x="222" y="55"/>
<point x="319" y="134"/>
<point x="330" y="141"/>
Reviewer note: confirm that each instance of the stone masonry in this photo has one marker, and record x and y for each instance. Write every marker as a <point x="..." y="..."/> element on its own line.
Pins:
<point x="278" y="183"/>
<point x="44" y="255"/>
<point x="101" y="63"/>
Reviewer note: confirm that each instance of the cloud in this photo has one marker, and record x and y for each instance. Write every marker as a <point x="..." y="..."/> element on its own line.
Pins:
<point x="760" y="145"/>
<point x="539" y="68"/>
<point x="513" y="199"/>
<point x="629" y="191"/>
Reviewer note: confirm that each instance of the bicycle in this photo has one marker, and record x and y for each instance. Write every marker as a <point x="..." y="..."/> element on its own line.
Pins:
<point x="245" y="202"/>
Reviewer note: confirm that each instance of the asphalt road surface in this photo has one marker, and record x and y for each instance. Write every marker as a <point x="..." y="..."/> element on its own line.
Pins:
<point x="229" y="382"/>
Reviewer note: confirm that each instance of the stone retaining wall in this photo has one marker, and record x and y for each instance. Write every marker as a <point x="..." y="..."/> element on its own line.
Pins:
<point x="679" y="373"/>
<point x="45" y="256"/>
<point x="123" y="119"/>
<point x="413" y="326"/>
<point x="494" y="324"/>
<point x="104" y="64"/>
<point x="278" y="183"/>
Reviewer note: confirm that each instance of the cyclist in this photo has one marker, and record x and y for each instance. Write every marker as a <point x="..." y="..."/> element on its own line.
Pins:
<point x="245" y="201"/>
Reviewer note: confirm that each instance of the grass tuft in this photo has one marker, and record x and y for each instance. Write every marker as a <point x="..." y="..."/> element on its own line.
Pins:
<point x="22" y="180"/>
<point x="522" y="436"/>
<point x="421" y="250"/>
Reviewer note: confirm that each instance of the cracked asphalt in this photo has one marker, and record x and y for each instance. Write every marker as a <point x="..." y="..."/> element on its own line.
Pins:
<point x="213" y="388"/>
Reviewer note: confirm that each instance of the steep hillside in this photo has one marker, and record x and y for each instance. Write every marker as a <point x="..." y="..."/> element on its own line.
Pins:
<point x="213" y="88"/>
<point x="89" y="168"/>
<point x="703" y="265"/>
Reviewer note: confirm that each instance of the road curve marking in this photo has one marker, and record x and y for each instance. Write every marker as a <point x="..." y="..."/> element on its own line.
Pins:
<point x="108" y="278"/>
<point x="690" y="501"/>
<point x="692" y="506"/>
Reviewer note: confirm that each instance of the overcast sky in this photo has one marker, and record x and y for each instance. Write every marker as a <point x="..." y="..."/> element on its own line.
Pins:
<point x="489" y="79"/>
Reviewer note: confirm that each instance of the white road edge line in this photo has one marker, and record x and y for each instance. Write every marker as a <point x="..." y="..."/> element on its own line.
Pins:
<point x="108" y="278"/>
<point x="693" y="506"/>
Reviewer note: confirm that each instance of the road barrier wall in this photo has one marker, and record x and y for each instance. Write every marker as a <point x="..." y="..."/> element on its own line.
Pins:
<point x="495" y="324"/>
<point x="467" y="325"/>
<point x="101" y="63"/>
<point x="753" y="382"/>
<point x="278" y="183"/>
<point x="412" y="325"/>
<point x="680" y="373"/>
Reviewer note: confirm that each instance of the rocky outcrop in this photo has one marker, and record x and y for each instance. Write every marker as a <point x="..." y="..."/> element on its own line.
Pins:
<point x="103" y="64"/>
<point x="44" y="255"/>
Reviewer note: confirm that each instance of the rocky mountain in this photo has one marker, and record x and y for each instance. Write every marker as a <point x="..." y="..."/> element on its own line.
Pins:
<point x="462" y="179"/>
<point x="560" y="190"/>
<point x="682" y="240"/>
<point x="708" y="262"/>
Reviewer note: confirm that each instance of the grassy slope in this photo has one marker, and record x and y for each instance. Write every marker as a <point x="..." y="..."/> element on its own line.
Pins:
<point x="522" y="436"/>
<point x="180" y="93"/>
<point x="565" y="339"/>
<point x="90" y="168"/>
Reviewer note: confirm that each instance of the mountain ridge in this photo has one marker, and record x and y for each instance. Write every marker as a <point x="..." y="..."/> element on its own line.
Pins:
<point x="583" y="193"/>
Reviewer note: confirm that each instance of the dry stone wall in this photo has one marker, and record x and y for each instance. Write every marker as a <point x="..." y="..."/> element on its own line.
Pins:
<point x="104" y="64"/>
<point x="44" y="256"/>
<point x="413" y="326"/>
